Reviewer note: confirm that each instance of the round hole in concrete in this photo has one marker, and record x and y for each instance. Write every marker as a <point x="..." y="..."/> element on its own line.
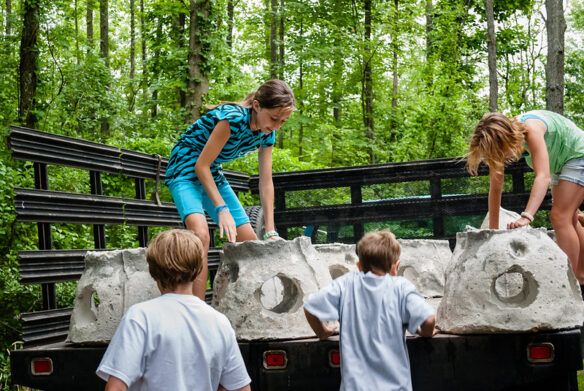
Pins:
<point x="94" y="300"/>
<point x="509" y="285"/>
<point x="409" y="273"/>
<point x="337" y="270"/>
<point x="515" y="286"/>
<point x="232" y="270"/>
<point x="280" y="294"/>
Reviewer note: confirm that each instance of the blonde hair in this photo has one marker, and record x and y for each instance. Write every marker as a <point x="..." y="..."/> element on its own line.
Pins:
<point x="175" y="257"/>
<point x="496" y="141"/>
<point x="274" y="93"/>
<point x="378" y="250"/>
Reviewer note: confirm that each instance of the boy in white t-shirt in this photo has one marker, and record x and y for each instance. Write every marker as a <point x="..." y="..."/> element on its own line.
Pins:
<point x="175" y="341"/>
<point x="374" y="308"/>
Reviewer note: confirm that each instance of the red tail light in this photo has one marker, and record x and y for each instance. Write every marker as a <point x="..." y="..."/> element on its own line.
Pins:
<point x="334" y="358"/>
<point x="41" y="366"/>
<point x="275" y="359"/>
<point x="540" y="352"/>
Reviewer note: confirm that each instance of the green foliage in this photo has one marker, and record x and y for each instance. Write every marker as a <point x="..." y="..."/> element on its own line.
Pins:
<point x="14" y="297"/>
<point x="440" y="93"/>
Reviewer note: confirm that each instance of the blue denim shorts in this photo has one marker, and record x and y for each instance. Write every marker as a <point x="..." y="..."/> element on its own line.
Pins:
<point x="572" y="171"/>
<point x="190" y="197"/>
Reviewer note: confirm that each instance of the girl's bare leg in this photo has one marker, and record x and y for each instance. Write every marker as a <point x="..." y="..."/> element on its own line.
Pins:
<point x="567" y="197"/>
<point x="245" y="232"/>
<point x="197" y="223"/>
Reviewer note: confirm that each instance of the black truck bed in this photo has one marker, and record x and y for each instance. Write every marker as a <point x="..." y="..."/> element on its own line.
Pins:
<point x="445" y="362"/>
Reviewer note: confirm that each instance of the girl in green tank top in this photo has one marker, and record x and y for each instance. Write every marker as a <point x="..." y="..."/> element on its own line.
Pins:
<point x="554" y="147"/>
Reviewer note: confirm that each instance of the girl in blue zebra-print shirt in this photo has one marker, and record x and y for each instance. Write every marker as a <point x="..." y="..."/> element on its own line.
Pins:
<point x="194" y="175"/>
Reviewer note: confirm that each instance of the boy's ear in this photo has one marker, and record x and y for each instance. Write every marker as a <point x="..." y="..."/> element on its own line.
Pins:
<point x="394" y="268"/>
<point x="359" y="266"/>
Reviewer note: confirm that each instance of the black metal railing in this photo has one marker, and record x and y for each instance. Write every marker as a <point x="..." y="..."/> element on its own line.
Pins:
<point x="43" y="206"/>
<point x="47" y="266"/>
<point x="435" y="205"/>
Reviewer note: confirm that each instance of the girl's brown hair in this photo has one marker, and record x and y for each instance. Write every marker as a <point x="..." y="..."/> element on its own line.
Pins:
<point x="378" y="250"/>
<point x="175" y="257"/>
<point x="272" y="94"/>
<point x="496" y="141"/>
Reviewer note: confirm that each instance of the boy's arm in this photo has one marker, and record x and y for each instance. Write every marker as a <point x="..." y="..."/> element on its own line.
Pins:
<point x="426" y="329"/>
<point x="321" y="331"/>
<point x="115" y="384"/>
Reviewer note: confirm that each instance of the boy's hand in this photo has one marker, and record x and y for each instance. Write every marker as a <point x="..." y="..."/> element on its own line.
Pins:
<point x="321" y="330"/>
<point x="427" y="328"/>
<point x="326" y="332"/>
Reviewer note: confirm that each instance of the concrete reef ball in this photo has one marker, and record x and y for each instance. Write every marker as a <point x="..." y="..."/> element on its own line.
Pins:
<point x="509" y="281"/>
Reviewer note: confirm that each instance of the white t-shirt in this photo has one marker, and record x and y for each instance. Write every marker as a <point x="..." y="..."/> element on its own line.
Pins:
<point x="374" y="312"/>
<point x="174" y="342"/>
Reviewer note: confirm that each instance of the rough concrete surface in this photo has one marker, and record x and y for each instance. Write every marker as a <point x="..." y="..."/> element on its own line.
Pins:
<point x="111" y="283"/>
<point x="338" y="257"/>
<point x="509" y="281"/>
<point x="424" y="262"/>
<point x="261" y="286"/>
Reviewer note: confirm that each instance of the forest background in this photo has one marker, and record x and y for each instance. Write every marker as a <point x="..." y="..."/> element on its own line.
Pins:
<point x="375" y="82"/>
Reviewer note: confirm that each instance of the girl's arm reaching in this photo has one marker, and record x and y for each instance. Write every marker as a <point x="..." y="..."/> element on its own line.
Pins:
<point x="541" y="166"/>
<point x="213" y="147"/>
<point x="495" y="190"/>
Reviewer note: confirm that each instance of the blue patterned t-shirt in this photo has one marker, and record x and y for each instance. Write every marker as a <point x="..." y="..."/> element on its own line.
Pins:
<point x="184" y="155"/>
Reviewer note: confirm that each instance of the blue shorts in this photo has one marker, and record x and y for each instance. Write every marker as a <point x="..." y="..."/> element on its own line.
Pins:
<point x="572" y="171"/>
<point x="190" y="197"/>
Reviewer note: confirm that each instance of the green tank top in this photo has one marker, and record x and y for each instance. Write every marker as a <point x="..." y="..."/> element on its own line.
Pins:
<point x="563" y="139"/>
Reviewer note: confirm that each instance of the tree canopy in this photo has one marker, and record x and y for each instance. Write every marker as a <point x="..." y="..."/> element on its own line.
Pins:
<point x="375" y="81"/>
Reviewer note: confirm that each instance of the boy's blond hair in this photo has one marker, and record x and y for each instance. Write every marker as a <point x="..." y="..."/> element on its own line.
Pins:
<point x="496" y="140"/>
<point x="378" y="250"/>
<point x="175" y="257"/>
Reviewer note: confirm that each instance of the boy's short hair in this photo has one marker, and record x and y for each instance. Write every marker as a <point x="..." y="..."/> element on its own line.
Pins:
<point x="175" y="257"/>
<point x="378" y="250"/>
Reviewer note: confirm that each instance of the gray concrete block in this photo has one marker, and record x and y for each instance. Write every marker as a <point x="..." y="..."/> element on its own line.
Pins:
<point x="503" y="281"/>
<point x="111" y="283"/>
<point x="424" y="262"/>
<point x="261" y="285"/>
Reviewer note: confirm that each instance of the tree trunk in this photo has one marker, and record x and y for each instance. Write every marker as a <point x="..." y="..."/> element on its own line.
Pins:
<point x="144" y="81"/>
<point x="429" y="43"/>
<point x="132" y="96"/>
<point x="281" y="58"/>
<point x="104" y="48"/>
<point x="274" y="40"/>
<point x="154" y="67"/>
<point x="554" y="69"/>
<point x="178" y="30"/>
<point x="338" y="79"/>
<point x="89" y="24"/>
<point x="368" y="83"/>
<point x="281" y="61"/>
<point x="78" y="60"/>
<point x="229" y="59"/>
<point x="198" y="83"/>
<point x="8" y="17"/>
<point x="28" y="62"/>
<point x="395" y="49"/>
<point x="132" y="41"/>
<point x="492" y="46"/>
<point x="301" y="97"/>
<point x="429" y="28"/>
<point x="104" y="31"/>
